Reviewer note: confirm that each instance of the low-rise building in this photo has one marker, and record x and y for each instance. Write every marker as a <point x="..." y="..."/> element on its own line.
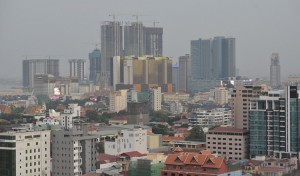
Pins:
<point x="228" y="142"/>
<point x="127" y="141"/>
<point x="205" y="163"/>
<point x="212" y="118"/>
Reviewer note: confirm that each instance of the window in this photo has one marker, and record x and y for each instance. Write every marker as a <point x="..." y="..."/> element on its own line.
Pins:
<point x="28" y="144"/>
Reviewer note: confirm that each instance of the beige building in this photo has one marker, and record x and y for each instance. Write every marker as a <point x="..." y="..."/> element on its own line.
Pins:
<point x="228" y="142"/>
<point x="154" y="141"/>
<point x="241" y="102"/>
<point x="155" y="98"/>
<point x="118" y="101"/>
<point x="179" y="96"/>
<point x="25" y="151"/>
<point x="219" y="95"/>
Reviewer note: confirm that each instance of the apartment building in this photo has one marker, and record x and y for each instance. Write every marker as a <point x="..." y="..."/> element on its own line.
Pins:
<point x="228" y="142"/>
<point x="127" y="141"/>
<point x="73" y="151"/>
<point x="25" y="151"/>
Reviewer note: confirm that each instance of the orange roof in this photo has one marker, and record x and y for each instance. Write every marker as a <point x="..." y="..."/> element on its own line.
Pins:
<point x="189" y="158"/>
<point x="205" y="152"/>
<point x="172" y="138"/>
<point x="178" y="149"/>
<point x="132" y="154"/>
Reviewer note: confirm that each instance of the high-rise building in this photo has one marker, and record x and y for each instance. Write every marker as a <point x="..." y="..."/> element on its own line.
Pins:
<point x="116" y="71"/>
<point x="275" y="71"/>
<point x="95" y="64"/>
<point x="77" y="68"/>
<point x="175" y="76"/>
<point x="213" y="58"/>
<point x="111" y="43"/>
<point x="241" y="103"/>
<point x="73" y="151"/>
<point x="25" y="151"/>
<point x="140" y="40"/>
<point x="155" y="98"/>
<point x="184" y="72"/>
<point x="201" y="59"/>
<point x="134" y="39"/>
<point x="144" y="71"/>
<point x="38" y="66"/>
<point x="274" y="124"/>
<point x="153" y="37"/>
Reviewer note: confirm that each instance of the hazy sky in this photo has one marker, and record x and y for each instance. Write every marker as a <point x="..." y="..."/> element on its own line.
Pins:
<point x="67" y="29"/>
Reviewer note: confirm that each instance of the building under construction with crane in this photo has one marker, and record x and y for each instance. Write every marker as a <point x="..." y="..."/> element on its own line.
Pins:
<point x="128" y="39"/>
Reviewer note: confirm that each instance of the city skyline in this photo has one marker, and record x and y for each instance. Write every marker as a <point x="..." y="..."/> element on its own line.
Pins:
<point x="59" y="30"/>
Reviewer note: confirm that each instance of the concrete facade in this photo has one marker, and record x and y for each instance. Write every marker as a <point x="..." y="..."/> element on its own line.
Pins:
<point x="25" y="152"/>
<point x="228" y="142"/>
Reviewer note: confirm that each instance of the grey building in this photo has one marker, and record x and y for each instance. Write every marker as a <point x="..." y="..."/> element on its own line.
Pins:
<point x="111" y="43"/>
<point x="153" y="37"/>
<point x="213" y="58"/>
<point x="140" y="40"/>
<point x="77" y="68"/>
<point x="38" y="66"/>
<point x="138" y="113"/>
<point x="201" y="59"/>
<point x="134" y="39"/>
<point x="175" y="76"/>
<point x="73" y="151"/>
<point x="223" y="56"/>
<point x="275" y="71"/>
<point x="184" y="72"/>
<point x="95" y="65"/>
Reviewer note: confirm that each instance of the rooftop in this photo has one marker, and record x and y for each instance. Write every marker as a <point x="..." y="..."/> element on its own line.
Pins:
<point x="228" y="130"/>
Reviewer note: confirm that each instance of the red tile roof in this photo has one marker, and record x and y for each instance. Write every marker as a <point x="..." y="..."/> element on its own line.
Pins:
<point x="184" y="158"/>
<point x="105" y="158"/>
<point x="132" y="154"/>
<point x="178" y="149"/>
<point x="172" y="138"/>
<point x="228" y="129"/>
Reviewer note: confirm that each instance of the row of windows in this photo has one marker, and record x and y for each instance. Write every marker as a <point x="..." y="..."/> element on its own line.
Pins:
<point x="37" y="143"/>
<point x="230" y="139"/>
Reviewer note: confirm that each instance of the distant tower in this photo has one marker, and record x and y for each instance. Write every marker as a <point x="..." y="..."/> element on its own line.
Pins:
<point x="95" y="59"/>
<point x="38" y="66"/>
<point x="111" y="44"/>
<point x="134" y="39"/>
<point x="275" y="71"/>
<point x="184" y="72"/>
<point x="77" y="68"/>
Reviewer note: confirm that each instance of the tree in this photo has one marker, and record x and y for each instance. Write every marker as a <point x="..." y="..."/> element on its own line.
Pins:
<point x="92" y="115"/>
<point x="160" y="129"/>
<point x="197" y="134"/>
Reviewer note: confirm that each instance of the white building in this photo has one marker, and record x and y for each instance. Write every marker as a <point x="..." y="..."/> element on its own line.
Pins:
<point x="25" y="152"/>
<point x="118" y="101"/>
<point x="132" y="96"/>
<point x="67" y="118"/>
<point x="127" y="141"/>
<point x="73" y="151"/>
<point x="176" y="107"/>
<point x="78" y="68"/>
<point x="215" y="117"/>
<point x="155" y="98"/>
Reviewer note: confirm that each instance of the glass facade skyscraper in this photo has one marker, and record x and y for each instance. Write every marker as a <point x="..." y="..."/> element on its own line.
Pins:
<point x="274" y="124"/>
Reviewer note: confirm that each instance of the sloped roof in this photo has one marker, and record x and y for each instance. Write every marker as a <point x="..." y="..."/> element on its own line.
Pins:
<point x="105" y="158"/>
<point x="186" y="158"/>
<point x="132" y="154"/>
<point x="178" y="149"/>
